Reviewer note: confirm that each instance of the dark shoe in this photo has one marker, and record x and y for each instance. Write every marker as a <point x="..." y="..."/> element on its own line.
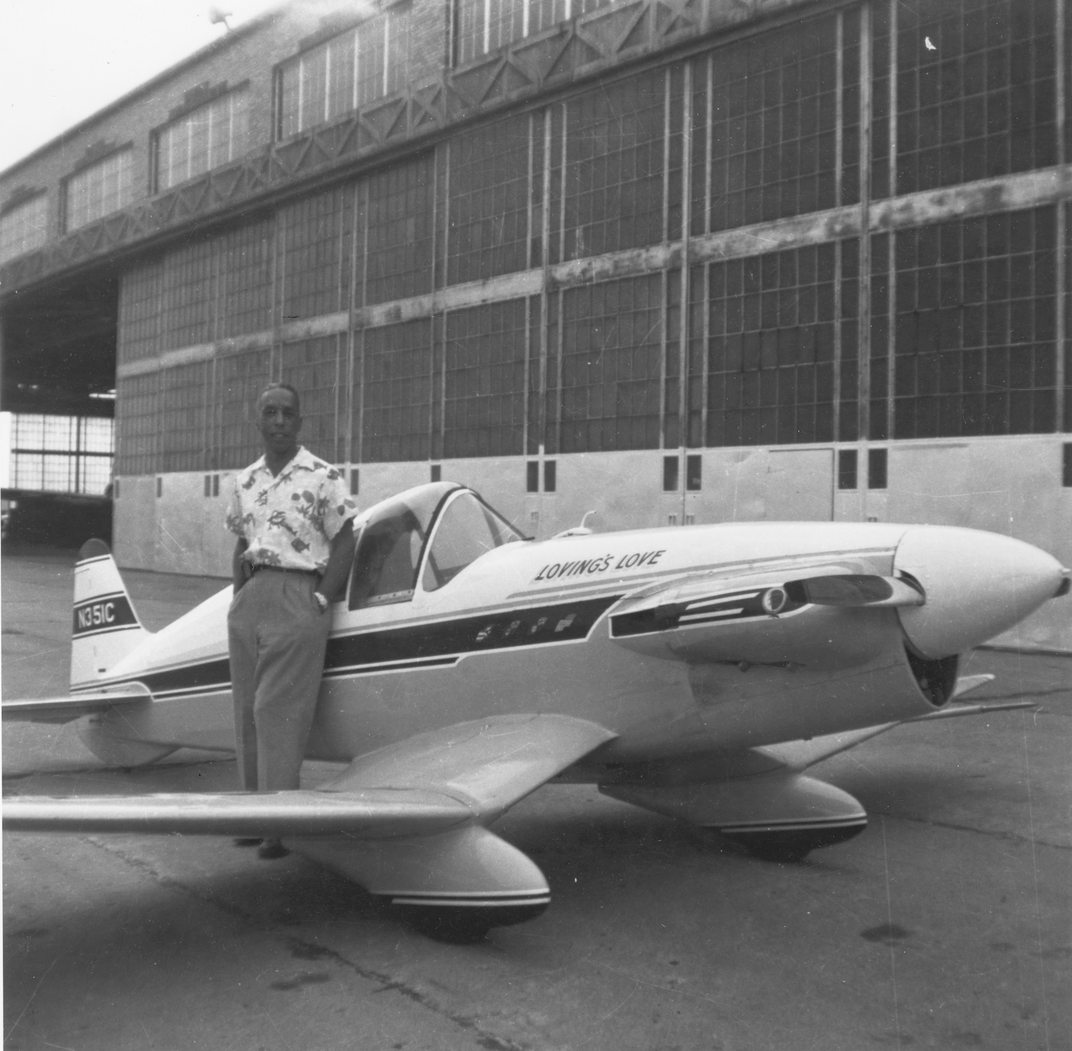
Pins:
<point x="248" y="841"/>
<point x="272" y="848"/>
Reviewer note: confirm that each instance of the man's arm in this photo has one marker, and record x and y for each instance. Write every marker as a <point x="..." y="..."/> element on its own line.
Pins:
<point x="342" y="555"/>
<point x="239" y="566"/>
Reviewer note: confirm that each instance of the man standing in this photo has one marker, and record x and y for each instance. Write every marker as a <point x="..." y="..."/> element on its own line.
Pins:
<point x="293" y="516"/>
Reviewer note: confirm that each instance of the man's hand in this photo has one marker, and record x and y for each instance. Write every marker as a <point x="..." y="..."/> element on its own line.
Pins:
<point x="241" y="570"/>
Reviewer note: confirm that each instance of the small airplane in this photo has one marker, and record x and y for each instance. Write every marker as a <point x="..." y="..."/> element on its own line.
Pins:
<point x="697" y="672"/>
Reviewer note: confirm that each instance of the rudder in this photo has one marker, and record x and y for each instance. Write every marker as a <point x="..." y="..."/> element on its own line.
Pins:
<point x="105" y="627"/>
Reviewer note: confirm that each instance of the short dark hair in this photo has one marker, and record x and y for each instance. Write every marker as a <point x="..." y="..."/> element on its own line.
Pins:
<point x="282" y="386"/>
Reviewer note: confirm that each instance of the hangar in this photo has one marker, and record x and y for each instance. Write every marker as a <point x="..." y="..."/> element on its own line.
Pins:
<point x="674" y="261"/>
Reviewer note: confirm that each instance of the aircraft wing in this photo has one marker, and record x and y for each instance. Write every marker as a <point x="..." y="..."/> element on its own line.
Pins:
<point x="434" y="782"/>
<point x="72" y="706"/>
<point x="799" y="755"/>
<point x="762" y="799"/>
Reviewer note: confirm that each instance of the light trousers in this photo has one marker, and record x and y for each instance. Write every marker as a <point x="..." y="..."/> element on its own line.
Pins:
<point x="277" y="637"/>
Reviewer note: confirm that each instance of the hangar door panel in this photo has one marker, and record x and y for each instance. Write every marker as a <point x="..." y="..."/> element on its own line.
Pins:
<point x="800" y="485"/>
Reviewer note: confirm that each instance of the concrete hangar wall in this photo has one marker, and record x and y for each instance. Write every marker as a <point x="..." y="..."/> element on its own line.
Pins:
<point x="671" y="260"/>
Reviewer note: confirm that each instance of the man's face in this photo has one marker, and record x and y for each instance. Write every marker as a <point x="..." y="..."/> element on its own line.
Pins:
<point x="279" y="422"/>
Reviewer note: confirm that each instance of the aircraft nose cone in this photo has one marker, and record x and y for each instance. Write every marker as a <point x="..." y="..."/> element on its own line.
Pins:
<point x="977" y="585"/>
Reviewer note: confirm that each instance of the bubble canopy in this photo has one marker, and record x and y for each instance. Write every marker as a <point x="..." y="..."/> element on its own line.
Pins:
<point x="423" y="537"/>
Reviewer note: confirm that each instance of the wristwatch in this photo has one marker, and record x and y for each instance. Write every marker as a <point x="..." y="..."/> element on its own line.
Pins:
<point x="321" y="600"/>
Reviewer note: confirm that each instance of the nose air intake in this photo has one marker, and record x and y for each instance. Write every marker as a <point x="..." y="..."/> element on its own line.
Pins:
<point x="977" y="585"/>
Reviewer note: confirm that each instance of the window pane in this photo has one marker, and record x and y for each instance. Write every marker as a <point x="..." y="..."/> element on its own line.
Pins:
<point x="371" y="57"/>
<point x="485" y="380"/>
<point x="97" y="435"/>
<point x="876" y="468"/>
<point x="200" y="125"/>
<point x="290" y="90"/>
<point x="975" y="346"/>
<point x="399" y="231"/>
<point x="610" y="398"/>
<point x="340" y="83"/>
<point x="397" y="48"/>
<point x="386" y="564"/>
<point x="614" y="167"/>
<point x="24" y="228"/>
<point x="314" y="86"/>
<point x="772" y="134"/>
<point x="982" y="102"/>
<point x="63" y="454"/>
<point x="464" y="533"/>
<point x="397" y="392"/>
<point x="771" y="337"/>
<point x="389" y="549"/>
<point x="670" y="473"/>
<point x="100" y="189"/>
<point x="313" y="229"/>
<point x="349" y="70"/>
<point x="486" y="25"/>
<point x="489" y="201"/>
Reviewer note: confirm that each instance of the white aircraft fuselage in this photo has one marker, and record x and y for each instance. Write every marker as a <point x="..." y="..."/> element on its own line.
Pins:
<point x="660" y="635"/>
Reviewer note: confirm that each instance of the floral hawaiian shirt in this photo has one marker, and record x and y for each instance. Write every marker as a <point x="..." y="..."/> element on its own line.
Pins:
<point x="289" y="520"/>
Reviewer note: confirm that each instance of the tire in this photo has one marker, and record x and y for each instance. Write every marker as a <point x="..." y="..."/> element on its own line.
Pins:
<point x="456" y="926"/>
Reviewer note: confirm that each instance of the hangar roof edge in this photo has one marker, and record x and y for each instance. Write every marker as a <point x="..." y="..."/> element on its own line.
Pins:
<point x="223" y="42"/>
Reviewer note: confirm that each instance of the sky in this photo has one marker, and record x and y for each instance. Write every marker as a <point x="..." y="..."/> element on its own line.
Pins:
<point x="63" y="60"/>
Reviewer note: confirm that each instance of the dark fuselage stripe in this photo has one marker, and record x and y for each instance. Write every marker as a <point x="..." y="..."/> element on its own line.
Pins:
<point x="370" y="669"/>
<point x="107" y="631"/>
<point x="461" y="898"/>
<point x="438" y="644"/>
<point x="91" y="561"/>
<point x="206" y="689"/>
<point x="502" y="629"/>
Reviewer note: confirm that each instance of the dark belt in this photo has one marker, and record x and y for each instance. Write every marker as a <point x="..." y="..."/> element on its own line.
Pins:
<point x="256" y="567"/>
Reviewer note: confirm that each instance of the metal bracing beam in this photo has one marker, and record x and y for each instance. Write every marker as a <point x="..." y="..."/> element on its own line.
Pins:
<point x="1008" y="193"/>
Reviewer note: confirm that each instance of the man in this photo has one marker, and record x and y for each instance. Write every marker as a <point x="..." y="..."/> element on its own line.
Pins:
<point x="293" y="516"/>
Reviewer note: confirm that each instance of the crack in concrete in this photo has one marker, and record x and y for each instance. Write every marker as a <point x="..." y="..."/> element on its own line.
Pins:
<point x="1026" y="695"/>
<point x="1010" y="837"/>
<point x="309" y="950"/>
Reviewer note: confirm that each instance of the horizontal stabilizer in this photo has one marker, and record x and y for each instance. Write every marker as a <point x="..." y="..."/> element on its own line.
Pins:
<point x="967" y="683"/>
<point x="799" y="755"/>
<point x="957" y="710"/>
<point x="74" y="706"/>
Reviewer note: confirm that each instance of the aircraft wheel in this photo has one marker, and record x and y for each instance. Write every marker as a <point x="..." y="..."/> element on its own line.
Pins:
<point x="458" y="926"/>
<point x="779" y="855"/>
<point x="793" y="845"/>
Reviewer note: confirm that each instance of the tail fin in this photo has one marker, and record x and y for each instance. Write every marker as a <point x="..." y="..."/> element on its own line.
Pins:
<point x="106" y="628"/>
